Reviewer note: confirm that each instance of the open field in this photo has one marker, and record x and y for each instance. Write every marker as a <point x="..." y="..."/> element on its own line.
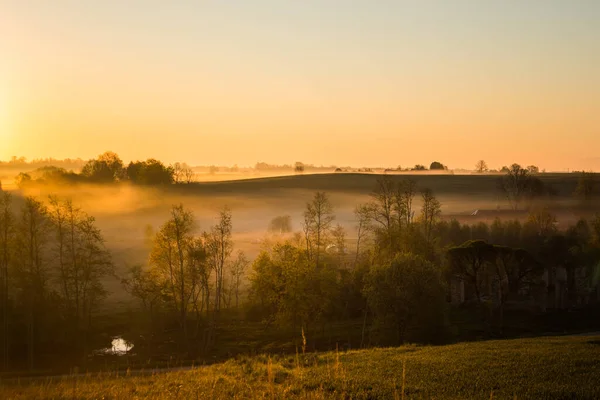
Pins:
<point x="539" y="368"/>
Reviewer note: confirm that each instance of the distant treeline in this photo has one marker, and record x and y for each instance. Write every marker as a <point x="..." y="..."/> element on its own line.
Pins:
<point x="21" y="163"/>
<point x="109" y="168"/>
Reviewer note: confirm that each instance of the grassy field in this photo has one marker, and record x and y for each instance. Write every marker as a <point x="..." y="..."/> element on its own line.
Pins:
<point x="563" y="183"/>
<point x="540" y="368"/>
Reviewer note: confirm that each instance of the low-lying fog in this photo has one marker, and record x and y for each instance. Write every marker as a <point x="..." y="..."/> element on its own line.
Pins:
<point x="125" y="212"/>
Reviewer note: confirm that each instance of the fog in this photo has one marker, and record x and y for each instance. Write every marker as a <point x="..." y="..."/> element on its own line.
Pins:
<point x="124" y="212"/>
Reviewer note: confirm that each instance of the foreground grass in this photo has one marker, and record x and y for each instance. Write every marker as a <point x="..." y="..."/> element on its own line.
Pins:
<point x="541" y="368"/>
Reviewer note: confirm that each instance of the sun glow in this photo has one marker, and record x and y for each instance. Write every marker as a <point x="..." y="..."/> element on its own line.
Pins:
<point x="5" y="126"/>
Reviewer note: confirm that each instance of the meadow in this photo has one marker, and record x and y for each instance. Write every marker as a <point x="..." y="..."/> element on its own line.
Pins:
<point x="538" y="368"/>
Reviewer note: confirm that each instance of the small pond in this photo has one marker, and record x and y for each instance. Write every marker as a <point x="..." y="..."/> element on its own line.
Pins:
<point x="119" y="347"/>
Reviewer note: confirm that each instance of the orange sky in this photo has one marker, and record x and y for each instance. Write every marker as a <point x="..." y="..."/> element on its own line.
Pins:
<point x="323" y="82"/>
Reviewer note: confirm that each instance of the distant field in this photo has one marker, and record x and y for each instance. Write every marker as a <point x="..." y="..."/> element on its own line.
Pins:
<point x="443" y="184"/>
<point x="540" y="368"/>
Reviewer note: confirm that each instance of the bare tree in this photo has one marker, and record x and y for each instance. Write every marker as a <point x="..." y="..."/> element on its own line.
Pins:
<point x="7" y="227"/>
<point x="318" y="218"/>
<point x="382" y="208"/>
<point x="83" y="262"/>
<point x="199" y="271"/>
<point x="220" y="246"/>
<point x="169" y="260"/>
<point x="481" y="166"/>
<point x="188" y="175"/>
<point x="32" y="267"/>
<point x="362" y="215"/>
<point x="182" y="173"/>
<point x="307" y="231"/>
<point x="142" y="285"/>
<point x="515" y="184"/>
<point x="177" y="172"/>
<point x="430" y="212"/>
<point x="238" y="268"/>
<point x="339" y="237"/>
<point x="281" y="224"/>
<point x="406" y="192"/>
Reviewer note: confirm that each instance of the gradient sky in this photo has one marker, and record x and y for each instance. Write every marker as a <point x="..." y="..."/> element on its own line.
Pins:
<point x="362" y="83"/>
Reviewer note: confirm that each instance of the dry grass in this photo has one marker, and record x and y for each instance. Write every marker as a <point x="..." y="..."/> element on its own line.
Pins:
<point x="542" y="368"/>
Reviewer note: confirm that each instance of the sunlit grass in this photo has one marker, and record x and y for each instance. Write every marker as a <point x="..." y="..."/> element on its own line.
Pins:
<point x="543" y="368"/>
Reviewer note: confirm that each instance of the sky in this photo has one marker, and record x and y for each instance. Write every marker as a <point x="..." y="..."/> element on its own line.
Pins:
<point x="360" y="83"/>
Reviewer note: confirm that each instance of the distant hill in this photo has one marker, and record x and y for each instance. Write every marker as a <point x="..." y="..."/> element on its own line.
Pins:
<point x="442" y="184"/>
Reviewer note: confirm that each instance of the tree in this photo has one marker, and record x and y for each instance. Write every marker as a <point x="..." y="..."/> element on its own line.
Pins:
<point x="219" y="248"/>
<point x="7" y="231"/>
<point x="562" y="250"/>
<point x="481" y="166"/>
<point x="177" y="172"/>
<point x="471" y="261"/>
<point x="339" y="239"/>
<point x="436" y="165"/>
<point x="281" y="224"/>
<point x="391" y="211"/>
<point x="32" y="269"/>
<point x="108" y="167"/>
<point x="182" y="173"/>
<point x="238" y="268"/>
<point x="515" y="184"/>
<point x="430" y="212"/>
<point x="384" y="199"/>
<point x="318" y="218"/>
<point x="188" y="175"/>
<point x="362" y="218"/>
<point x="542" y="222"/>
<point x="405" y="195"/>
<point x="290" y="288"/>
<point x="22" y="180"/>
<point x="585" y="187"/>
<point x="533" y="169"/>
<point x="280" y="283"/>
<point x="150" y="172"/>
<point x="299" y="167"/>
<point x="516" y="267"/>
<point x="419" y="167"/>
<point x="171" y="264"/>
<point x="83" y="263"/>
<point x="141" y="284"/>
<point x="407" y="298"/>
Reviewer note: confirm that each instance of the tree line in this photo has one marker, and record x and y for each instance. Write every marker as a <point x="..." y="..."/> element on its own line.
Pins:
<point x="52" y="265"/>
<point x="109" y="168"/>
